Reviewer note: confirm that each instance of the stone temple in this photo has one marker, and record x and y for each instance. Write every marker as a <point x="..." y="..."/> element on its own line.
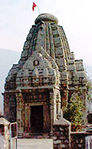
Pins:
<point x="39" y="87"/>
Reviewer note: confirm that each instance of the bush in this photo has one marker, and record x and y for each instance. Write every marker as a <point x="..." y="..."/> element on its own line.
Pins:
<point x="74" y="112"/>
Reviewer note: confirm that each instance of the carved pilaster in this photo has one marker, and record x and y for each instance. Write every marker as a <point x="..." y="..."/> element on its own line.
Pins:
<point x="46" y="125"/>
<point x="27" y="118"/>
<point x="52" y="110"/>
<point x="6" y="106"/>
<point x="20" y="113"/>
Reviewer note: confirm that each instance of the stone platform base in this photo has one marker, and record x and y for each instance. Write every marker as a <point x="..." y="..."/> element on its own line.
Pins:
<point x="34" y="144"/>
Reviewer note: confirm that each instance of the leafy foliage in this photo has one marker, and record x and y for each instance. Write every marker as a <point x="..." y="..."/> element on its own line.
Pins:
<point x="76" y="106"/>
<point x="74" y="111"/>
<point x="89" y="89"/>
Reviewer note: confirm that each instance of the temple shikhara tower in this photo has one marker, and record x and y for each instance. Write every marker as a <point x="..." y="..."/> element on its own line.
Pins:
<point x="39" y="87"/>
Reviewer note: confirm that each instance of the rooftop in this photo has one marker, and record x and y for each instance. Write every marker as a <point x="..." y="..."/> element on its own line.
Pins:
<point x="46" y="17"/>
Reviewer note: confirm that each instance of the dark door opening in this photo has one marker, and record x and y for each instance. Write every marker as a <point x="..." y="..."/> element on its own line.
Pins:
<point x="36" y="119"/>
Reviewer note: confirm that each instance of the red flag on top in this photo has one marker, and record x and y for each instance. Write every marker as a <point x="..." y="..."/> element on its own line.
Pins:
<point x="33" y="6"/>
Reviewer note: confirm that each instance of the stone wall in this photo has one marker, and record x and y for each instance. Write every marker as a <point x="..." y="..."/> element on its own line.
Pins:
<point x="61" y="134"/>
<point x="78" y="140"/>
<point x="10" y="106"/>
<point x="63" y="138"/>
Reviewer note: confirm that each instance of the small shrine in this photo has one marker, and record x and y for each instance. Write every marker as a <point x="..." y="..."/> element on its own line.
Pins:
<point x="39" y="87"/>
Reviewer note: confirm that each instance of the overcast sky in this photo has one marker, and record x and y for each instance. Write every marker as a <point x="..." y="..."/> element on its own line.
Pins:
<point x="16" y="18"/>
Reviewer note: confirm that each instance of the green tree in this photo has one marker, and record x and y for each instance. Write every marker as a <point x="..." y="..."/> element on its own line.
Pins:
<point x="74" y="111"/>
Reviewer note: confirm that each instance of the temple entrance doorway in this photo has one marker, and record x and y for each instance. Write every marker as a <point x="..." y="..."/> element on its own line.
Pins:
<point x="36" y="119"/>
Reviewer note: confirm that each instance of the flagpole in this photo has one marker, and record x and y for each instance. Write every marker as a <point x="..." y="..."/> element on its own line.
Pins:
<point x="38" y="10"/>
<point x="33" y="7"/>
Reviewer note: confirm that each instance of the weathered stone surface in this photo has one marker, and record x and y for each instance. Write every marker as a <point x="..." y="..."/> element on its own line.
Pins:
<point x="61" y="130"/>
<point x="42" y="83"/>
<point x="79" y="138"/>
<point x="46" y="17"/>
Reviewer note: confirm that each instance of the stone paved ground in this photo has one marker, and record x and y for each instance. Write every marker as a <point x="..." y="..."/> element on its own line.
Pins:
<point x="34" y="144"/>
